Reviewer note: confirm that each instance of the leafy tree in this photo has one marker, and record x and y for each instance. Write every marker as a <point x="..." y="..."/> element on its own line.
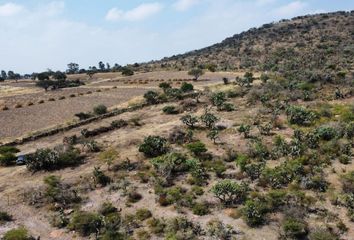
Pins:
<point x="45" y="84"/>
<point x="218" y="99"/>
<point x="72" y="68"/>
<point x="154" y="146"/>
<point x="196" y="73"/>
<point x="3" y="75"/>
<point x="213" y="135"/>
<point x="90" y="73"/>
<point x="209" y="119"/>
<point x="58" y="75"/>
<point x="189" y="120"/>
<point x="101" y="66"/>
<point x="230" y="192"/>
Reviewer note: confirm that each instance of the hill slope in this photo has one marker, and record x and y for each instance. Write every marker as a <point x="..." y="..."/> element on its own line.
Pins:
<point x="322" y="41"/>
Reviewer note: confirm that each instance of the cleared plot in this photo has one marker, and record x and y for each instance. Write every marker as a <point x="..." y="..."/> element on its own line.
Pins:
<point x="20" y="121"/>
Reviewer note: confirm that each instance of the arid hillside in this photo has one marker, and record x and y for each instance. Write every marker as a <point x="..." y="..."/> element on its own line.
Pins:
<point x="314" y="42"/>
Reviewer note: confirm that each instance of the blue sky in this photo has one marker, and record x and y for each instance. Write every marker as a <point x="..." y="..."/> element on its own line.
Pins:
<point x="41" y="34"/>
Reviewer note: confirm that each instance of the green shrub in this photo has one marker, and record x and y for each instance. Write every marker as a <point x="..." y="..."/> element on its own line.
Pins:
<point x="254" y="212"/>
<point x="100" y="177"/>
<point x="151" y="97"/>
<point x="17" y="234"/>
<point x="9" y="149"/>
<point x="49" y="160"/>
<point x="187" y="87"/>
<point x="326" y="133"/>
<point x="170" y="110"/>
<point x="5" y="217"/>
<point x="154" y="146"/>
<point x="230" y="192"/>
<point x="85" y="223"/>
<point x="283" y="174"/>
<point x="107" y="208"/>
<point x="197" y="148"/>
<point x="300" y="115"/>
<point x="7" y="159"/>
<point x="348" y="182"/>
<point x="217" y="166"/>
<point x="100" y="109"/>
<point x="295" y="228"/>
<point x="245" y="129"/>
<point x="156" y="226"/>
<point x="200" y="209"/>
<point x="170" y="164"/>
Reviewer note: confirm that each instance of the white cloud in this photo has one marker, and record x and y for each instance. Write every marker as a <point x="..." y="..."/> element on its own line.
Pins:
<point x="141" y="12"/>
<point x="54" y="8"/>
<point x="290" y="9"/>
<point x="183" y="5"/>
<point x="10" y="9"/>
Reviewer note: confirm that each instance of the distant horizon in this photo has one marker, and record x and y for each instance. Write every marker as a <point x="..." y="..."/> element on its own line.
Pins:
<point x="44" y="34"/>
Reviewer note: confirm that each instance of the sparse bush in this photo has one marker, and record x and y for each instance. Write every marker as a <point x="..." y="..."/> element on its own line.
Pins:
<point x="322" y="234"/>
<point x="153" y="146"/>
<point x="245" y="129"/>
<point x="100" y="177"/>
<point x="100" y="109"/>
<point x="229" y="192"/>
<point x="295" y="228"/>
<point x="107" y="208"/>
<point x="142" y="214"/>
<point x="348" y="182"/>
<point x="83" y="116"/>
<point x="217" y="230"/>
